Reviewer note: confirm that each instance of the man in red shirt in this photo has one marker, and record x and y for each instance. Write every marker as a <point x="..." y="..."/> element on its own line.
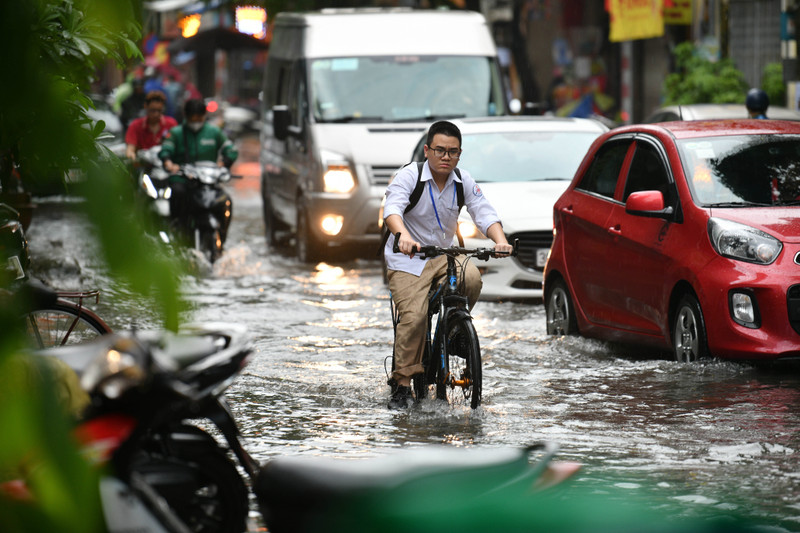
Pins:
<point x="149" y="130"/>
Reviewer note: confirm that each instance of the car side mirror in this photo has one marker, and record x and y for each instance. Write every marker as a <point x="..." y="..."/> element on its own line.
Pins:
<point x="280" y="121"/>
<point x="648" y="204"/>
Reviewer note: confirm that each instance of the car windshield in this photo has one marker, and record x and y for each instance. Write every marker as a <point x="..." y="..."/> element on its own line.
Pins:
<point x="404" y="88"/>
<point x="743" y="170"/>
<point x="524" y="155"/>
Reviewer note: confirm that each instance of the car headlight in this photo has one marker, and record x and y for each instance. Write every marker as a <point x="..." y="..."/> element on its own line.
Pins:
<point x="469" y="230"/>
<point x="337" y="176"/>
<point x="741" y="242"/>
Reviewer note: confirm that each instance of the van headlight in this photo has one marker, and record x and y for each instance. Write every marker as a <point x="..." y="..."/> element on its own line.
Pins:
<point x="337" y="175"/>
<point x="743" y="243"/>
<point x="338" y="179"/>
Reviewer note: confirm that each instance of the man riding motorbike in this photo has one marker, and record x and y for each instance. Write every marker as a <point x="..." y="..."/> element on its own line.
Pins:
<point x="193" y="141"/>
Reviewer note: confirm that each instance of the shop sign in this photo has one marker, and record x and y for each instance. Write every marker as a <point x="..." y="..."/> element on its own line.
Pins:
<point x="635" y="19"/>
<point x="678" y="12"/>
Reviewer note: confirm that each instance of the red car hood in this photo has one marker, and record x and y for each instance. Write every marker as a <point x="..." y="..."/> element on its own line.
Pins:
<point x="780" y="222"/>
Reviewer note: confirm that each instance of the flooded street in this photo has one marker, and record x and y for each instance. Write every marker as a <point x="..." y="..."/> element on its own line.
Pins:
<point x="701" y="440"/>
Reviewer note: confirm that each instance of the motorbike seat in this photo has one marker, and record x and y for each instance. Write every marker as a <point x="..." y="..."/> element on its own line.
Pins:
<point x="187" y="350"/>
<point x="300" y="485"/>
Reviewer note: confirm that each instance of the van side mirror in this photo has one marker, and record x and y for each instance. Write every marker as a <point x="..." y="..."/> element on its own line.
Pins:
<point x="280" y="121"/>
<point x="647" y="204"/>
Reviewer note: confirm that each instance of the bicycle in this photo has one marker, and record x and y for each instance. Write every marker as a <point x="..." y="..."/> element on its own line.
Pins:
<point x="53" y="320"/>
<point x="452" y="356"/>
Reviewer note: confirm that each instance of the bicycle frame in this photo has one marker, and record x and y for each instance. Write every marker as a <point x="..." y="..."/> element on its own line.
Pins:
<point x="452" y="305"/>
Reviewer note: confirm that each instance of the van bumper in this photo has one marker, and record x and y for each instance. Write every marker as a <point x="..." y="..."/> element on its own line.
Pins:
<point x="359" y="218"/>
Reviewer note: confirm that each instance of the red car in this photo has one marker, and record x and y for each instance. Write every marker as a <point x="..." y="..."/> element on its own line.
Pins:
<point x="684" y="236"/>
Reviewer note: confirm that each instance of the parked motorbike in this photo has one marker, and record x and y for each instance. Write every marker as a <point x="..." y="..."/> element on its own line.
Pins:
<point x="13" y="247"/>
<point x="161" y="473"/>
<point x="150" y="393"/>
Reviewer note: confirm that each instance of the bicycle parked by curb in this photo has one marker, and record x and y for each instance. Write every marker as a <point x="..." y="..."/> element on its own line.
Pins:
<point x="49" y="318"/>
<point x="452" y="356"/>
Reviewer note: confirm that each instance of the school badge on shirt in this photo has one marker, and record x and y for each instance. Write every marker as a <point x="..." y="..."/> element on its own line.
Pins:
<point x="477" y="190"/>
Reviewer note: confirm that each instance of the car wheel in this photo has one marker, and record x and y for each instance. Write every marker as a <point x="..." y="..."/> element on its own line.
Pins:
<point x="560" y="311"/>
<point x="689" y="340"/>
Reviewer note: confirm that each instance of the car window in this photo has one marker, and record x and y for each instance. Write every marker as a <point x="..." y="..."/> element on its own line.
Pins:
<point x="743" y="169"/>
<point x="524" y="155"/>
<point x="601" y="178"/>
<point x="647" y="172"/>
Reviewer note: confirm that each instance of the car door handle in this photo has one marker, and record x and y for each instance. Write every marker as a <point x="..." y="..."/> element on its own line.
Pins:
<point x="615" y="230"/>
<point x="567" y="209"/>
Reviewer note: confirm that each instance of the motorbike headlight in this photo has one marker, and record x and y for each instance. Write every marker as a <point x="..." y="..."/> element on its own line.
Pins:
<point x="743" y="243"/>
<point x="149" y="188"/>
<point x="113" y="372"/>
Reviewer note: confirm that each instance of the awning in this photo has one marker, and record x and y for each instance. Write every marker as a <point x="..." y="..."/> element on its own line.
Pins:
<point x="167" y="5"/>
<point x="216" y="39"/>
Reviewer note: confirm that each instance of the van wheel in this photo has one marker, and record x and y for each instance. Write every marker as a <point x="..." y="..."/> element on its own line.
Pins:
<point x="559" y="310"/>
<point x="309" y="249"/>
<point x="274" y="230"/>
<point x="689" y="339"/>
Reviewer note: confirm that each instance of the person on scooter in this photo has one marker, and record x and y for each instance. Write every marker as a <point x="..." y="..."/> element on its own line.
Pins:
<point x="194" y="140"/>
<point x="757" y="103"/>
<point x="432" y="221"/>
<point x="148" y="131"/>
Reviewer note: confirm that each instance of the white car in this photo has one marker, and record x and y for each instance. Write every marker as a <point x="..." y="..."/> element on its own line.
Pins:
<point x="714" y="112"/>
<point x="522" y="164"/>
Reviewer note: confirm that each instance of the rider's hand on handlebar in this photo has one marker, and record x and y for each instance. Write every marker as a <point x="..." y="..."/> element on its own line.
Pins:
<point x="503" y="250"/>
<point x="171" y="167"/>
<point x="407" y="245"/>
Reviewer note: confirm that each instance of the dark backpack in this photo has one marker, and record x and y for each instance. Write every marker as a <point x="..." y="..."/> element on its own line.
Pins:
<point x="416" y="194"/>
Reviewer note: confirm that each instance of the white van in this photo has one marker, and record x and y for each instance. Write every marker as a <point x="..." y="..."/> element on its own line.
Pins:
<point x="347" y="93"/>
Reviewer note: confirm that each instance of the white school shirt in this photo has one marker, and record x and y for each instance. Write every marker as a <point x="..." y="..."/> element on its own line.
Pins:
<point x="421" y="222"/>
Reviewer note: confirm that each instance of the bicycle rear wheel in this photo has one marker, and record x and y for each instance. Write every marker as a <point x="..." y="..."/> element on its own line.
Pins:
<point x="63" y="323"/>
<point x="462" y="379"/>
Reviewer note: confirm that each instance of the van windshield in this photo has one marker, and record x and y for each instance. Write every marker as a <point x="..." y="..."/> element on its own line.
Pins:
<point x="403" y="88"/>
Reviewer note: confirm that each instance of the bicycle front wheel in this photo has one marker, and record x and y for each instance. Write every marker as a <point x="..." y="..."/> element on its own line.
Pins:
<point x="461" y="380"/>
<point x="63" y="323"/>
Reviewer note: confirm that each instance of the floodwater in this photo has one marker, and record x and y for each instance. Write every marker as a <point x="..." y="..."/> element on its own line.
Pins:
<point x="701" y="440"/>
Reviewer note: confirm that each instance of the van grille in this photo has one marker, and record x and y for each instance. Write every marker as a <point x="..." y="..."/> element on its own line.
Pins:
<point x="381" y="175"/>
<point x="529" y="242"/>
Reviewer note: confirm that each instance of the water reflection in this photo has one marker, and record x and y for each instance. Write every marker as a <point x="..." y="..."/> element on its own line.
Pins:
<point x="698" y="439"/>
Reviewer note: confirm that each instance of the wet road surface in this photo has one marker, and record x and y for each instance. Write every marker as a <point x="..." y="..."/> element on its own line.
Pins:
<point x="700" y="440"/>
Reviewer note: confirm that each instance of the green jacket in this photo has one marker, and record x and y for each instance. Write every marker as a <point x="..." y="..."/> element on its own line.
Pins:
<point x="182" y="145"/>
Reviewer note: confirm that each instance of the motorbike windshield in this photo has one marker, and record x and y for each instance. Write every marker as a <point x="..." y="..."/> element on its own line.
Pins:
<point x="743" y="170"/>
<point x="404" y="88"/>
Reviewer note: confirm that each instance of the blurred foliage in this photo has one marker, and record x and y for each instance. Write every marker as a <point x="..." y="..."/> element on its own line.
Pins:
<point x="772" y="83"/>
<point x="51" y="49"/>
<point x="697" y="80"/>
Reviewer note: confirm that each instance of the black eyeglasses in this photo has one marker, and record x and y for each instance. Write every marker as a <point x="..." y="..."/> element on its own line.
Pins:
<point x="454" y="153"/>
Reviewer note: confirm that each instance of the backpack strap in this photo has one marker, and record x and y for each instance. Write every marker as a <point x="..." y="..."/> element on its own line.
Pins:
<point x="416" y="194"/>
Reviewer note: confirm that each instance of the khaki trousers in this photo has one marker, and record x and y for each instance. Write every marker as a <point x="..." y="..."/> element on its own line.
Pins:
<point x="410" y="295"/>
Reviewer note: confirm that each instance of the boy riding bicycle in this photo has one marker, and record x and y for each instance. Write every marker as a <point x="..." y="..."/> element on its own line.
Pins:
<point x="432" y="221"/>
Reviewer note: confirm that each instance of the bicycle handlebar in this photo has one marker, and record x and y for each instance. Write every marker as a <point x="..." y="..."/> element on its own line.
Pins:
<point x="434" y="251"/>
